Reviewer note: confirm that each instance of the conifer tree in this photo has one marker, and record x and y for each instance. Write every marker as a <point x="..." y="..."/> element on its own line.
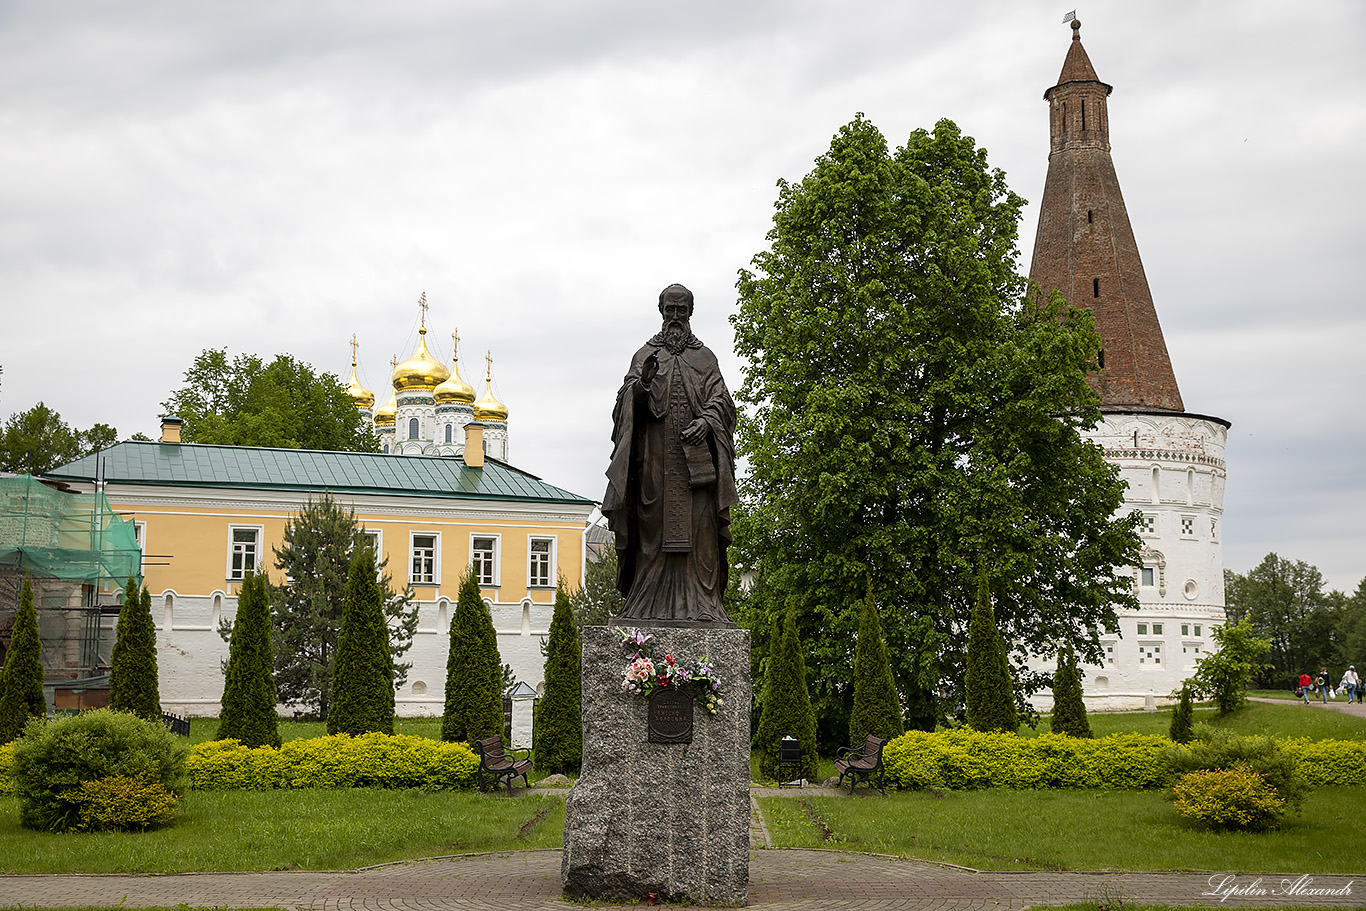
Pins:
<point x="1069" y="711"/>
<point x="877" y="706"/>
<point x="21" y="680"/>
<point x="133" y="685"/>
<point x="559" y="725"/>
<point x="786" y="709"/>
<point x="1183" y="720"/>
<point x="363" y="681"/>
<point x="473" y="699"/>
<point x="991" y="698"/>
<point x="248" y="714"/>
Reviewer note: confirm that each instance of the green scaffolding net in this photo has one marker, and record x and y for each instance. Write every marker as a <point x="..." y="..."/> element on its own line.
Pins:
<point x="74" y="537"/>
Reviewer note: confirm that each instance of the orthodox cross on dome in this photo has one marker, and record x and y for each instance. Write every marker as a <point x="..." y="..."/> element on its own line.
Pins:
<point x="455" y="345"/>
<point x="393" y="362"/>
<point x="354" y="345"/>
<point x="488" y="360"/>
<point x="422" y="305"/>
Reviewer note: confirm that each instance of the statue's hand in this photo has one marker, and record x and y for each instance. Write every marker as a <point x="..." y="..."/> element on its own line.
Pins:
<point x="695" y="432"/>
<point x="649" y="370"/>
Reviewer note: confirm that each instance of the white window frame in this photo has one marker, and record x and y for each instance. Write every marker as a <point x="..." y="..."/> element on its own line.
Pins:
<point x="260" y="531"/>
<point x="435" y="578"/>
<point x="1188" y="527"/>
<point x="1148" y="527"/>
<point x="1144" y="571"/>
<point x="377" y="535"/>
<point x="531" y="580"/>
<point x="1157" y="629"/>
<point x="140" y="537"/>
<point x="497" y="560"/>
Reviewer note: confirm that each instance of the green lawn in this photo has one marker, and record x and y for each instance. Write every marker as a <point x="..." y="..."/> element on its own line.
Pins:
<point x="1293" y="719"/>
<point x="292" y="830"/>
<point x="1089" y="830"/>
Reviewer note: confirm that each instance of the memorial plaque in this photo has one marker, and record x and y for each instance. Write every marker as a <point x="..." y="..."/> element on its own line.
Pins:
<point x="670" y="715"/>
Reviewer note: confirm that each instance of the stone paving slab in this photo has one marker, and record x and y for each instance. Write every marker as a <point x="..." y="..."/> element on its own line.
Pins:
<point x="779" y="880"/>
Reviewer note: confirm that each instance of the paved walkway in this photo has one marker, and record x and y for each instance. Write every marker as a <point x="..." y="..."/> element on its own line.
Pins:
<point x="779" y="879"/>
<point x="1339" y="704"/>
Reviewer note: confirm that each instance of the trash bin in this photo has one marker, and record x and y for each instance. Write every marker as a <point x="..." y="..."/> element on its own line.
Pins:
<point x="789" y="755"/>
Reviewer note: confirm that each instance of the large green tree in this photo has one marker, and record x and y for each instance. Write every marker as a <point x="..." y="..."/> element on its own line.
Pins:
<point x="363" y="682"/>
<point x="21" y="680"/>
<point x="877" y="705"/>
<point x="133" y="683"/>
<point x="38" y="440"/>
<point x="248" y="714"/>
<point x="906" y="417"/>
<point x="284" y="403"/>
<point x="315" y="560"/>
<point x="559" y="725"/>
<point x="474" y="707"/>
<point x="1285" y="602"/>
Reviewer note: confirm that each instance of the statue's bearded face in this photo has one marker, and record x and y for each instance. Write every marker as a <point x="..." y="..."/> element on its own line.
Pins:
<point x="676" y="329"/>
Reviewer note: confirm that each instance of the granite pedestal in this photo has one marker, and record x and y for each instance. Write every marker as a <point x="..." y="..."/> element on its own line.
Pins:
<point x="668" y="818"/>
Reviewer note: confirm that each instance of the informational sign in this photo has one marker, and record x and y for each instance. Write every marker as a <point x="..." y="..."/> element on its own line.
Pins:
<point x="670" y="715"/>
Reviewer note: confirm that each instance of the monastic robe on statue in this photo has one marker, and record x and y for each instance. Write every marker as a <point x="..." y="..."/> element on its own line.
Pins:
<point x="668" y="503"/>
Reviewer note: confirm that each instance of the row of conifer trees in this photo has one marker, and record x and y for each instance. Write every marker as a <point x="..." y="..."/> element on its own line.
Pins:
<point x="132" y="674"/>
<point x="363" y="692"/>
<point x="786" y="711"/>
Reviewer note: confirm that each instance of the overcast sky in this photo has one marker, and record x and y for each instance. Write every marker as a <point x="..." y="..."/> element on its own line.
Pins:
<point x="273" y="177"/>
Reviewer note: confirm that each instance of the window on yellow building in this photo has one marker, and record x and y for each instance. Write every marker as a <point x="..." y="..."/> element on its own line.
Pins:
<point x="244" y="550"/>
<point x="484" y="557"/>
<point x="425" y="549"/>
<point x="540" y="557"/>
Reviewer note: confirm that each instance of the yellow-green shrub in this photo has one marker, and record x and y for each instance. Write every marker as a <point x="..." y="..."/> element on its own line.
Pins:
<point x="1328" y="762"/>
<point x="6" y="760"/>
<point x="123" y="802"/>
<point x="1236" y="798"/>
<point x="968" y="760"/>
<point x="339" y="761"/>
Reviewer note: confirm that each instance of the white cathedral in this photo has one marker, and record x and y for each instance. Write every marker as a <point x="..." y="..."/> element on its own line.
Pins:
<point x="430" y="406"/>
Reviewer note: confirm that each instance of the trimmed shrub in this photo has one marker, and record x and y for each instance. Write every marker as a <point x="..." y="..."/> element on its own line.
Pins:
<point x="877" y="707"/>
<point x="1069" y="712"/>
<point x="1216" y="749"/>
<point x="21" y="680"/>
<point x="559" y="725"/>
<point x="340" y="761"/>
<point x="133" y="666"/>
<point x="964" y="759"/>
<point x="474" y="708"/>
<point x="786" y="710"/>
<point x="120" y="803"/>
<point x="1236" y="798"/>
<point x="990" y="696"/>
<point x="1183" y="719"/>
<point x="54" y="759"/>
<point x="1327" y="762"/>
<point x="363" y="680"/>
<point x="248" y="714"/>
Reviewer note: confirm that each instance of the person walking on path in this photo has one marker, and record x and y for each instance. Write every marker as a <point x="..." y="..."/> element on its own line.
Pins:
<point x="1325" y="683"/>
<point x="1305" y="685"/>
<point x="1351" y="684"/>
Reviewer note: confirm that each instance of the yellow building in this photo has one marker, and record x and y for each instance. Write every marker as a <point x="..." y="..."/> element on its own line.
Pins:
<point x="211" y="513"/>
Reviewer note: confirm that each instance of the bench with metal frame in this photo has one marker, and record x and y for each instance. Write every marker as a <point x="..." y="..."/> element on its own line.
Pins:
<point x="499" y="764"/>
<point x="862" y="763"/>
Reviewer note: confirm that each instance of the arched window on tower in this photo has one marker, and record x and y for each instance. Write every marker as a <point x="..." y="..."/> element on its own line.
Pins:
<point x="412" y="428"/>
<point x="448" y="433"/>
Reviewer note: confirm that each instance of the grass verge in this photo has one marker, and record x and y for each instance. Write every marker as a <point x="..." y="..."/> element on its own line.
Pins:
<point x="1290" y="719"/>
<point x="1089" y="830"/>
<point x="292" y="830"/>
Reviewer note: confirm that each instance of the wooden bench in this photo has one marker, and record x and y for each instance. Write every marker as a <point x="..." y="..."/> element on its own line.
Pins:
<point x="500" y="764"/>
<point x="862" y="763"/>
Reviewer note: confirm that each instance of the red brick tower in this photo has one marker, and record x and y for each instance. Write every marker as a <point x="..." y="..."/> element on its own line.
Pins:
<point x="1085" y="247"/>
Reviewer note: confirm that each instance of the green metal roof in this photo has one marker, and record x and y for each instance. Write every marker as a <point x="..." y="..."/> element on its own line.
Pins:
<point x="196" y="465"/>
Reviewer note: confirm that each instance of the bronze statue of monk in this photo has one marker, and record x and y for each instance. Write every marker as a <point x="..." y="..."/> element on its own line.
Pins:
<point x="672" y="479"/>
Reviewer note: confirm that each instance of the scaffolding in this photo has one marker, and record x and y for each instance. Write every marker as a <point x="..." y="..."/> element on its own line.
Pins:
<point x="77" y="553"/>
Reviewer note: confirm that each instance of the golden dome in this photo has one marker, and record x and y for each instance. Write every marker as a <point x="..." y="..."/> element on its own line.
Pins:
<point x="421" y="371"/>
<point x="454" y="389"/>
<point x="363" y="397"/>
<point x="489" y="408"/>
<point x="386" y="413"/>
